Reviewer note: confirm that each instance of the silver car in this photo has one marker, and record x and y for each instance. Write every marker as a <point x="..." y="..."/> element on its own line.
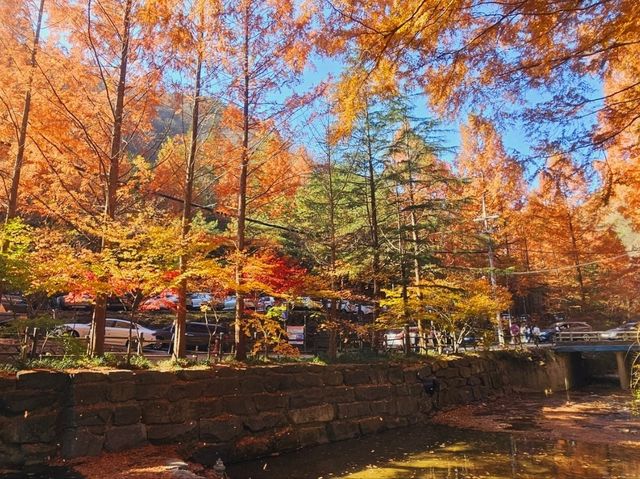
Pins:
<point x="621" y="331"/>
<point x="116" y="331"/>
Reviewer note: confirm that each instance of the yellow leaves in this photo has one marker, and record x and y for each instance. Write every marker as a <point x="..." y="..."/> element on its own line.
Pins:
<point x="449" y="303"/>
<point x="270" y="333"/>
<point x="349" y="98"/>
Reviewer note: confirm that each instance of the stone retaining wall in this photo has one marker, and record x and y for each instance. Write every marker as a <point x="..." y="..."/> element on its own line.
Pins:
<point x="231" y="412"/>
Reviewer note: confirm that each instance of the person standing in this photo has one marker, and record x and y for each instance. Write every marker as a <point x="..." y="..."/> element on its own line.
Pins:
<point x="515" y="333"/>
<point x="535" y="332"/>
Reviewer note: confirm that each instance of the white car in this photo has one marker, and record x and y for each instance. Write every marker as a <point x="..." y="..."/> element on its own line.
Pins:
<point x="197" y="300"/>
<point x="356" y="308"/>
<point x="624" y="331"/>
<point x="116" y="331"/>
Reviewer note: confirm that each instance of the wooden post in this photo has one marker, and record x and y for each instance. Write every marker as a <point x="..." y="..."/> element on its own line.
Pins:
<point x="25" y="344"/>
<point x="34" y="343"/>
<point x="407" y="340"/>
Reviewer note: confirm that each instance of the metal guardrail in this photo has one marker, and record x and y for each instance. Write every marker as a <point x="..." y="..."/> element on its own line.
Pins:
<point x="595" y="336"/>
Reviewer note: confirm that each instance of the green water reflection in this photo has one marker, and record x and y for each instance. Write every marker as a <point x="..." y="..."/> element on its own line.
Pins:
<point x="439" y="452"/>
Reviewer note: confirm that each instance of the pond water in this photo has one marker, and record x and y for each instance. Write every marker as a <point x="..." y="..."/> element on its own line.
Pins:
<point x="575" y="439"/>
<point x="42" y="473"/>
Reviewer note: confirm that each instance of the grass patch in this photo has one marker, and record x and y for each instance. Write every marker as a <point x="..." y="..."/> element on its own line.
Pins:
<point x="79" y="362"/>
<point x="174" y="364"/>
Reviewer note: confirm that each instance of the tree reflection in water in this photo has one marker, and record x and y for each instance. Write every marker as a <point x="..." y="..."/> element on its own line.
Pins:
<point x="444" y="452"/>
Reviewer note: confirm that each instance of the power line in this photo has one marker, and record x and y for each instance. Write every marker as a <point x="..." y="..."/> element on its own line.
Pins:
<point x="551" y="270"/>
<point x="573" y="266"/>
<point x="228" y="215"/>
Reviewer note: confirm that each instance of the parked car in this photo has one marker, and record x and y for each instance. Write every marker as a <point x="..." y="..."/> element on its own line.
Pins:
<point x="616" y="333"/>
<point x="356" y="308"/>
<point x="265" y="303"/>
<point x="198" y="335"/>
<point x="229" y="303"/>
<point x="548" y="334"/>
<point x="116" y="331"/>
<point x="197" y="300"/>
<point x="14" y="303"/>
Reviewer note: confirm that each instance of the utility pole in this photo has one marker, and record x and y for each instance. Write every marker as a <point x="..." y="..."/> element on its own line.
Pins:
<point x="488" y="230"/>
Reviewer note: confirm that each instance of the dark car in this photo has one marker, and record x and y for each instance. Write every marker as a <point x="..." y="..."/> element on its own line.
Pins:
<point x="14" y="302"/>
<point x="198" y="335"/>
<point x="549" y="333"/>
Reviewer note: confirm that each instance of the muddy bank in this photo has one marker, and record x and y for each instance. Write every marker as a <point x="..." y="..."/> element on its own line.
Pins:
<point x="593" y="415"/>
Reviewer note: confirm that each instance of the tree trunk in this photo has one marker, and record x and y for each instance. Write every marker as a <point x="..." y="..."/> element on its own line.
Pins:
<point x="576" y="256"/>
<point x="332" y="352"/>
<point x="240" y="335"/>
<point x="417" y="271"/>
<point x="100" y="311"/>
<point x="404" y="275"/>
<point x="12" y="204"/>
<point x="180" y="345"/>
<point x="375" y="241"/>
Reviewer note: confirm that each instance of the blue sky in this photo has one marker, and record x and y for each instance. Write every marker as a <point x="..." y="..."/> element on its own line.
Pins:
<point x="517" y="139"/>
<point x="323" y="68"/>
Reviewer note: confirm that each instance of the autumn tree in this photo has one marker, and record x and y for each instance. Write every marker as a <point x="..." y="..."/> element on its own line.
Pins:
<point x="571" y="241"/>
<point x="265" y="48"/>
<point x="453" y="304"/>
<point x="22" y="117"/>
<point x="493" y="191"/>
<point x="15" y="257"/>
<point x="101" y="100"/>
<point x="192" y="31"/>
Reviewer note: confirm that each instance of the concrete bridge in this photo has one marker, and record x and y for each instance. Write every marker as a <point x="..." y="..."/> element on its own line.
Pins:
<point x="624" y="346"/>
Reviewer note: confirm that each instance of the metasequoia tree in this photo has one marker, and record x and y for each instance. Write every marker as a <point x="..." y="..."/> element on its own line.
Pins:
<point x="569" y="238"/>
<point x="101" y="99"/>
<point x="191" y="29"/>
<point x="265" y="48"/>
<point x="493" y="186"/>
<point x="22" y="19"/>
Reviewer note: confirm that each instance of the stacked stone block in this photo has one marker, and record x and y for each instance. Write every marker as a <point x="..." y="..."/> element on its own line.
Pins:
<point x="229" y="412"/>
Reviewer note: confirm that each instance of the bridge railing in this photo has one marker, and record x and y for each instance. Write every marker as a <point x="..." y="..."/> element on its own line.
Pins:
<point x="595" y="336"/>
